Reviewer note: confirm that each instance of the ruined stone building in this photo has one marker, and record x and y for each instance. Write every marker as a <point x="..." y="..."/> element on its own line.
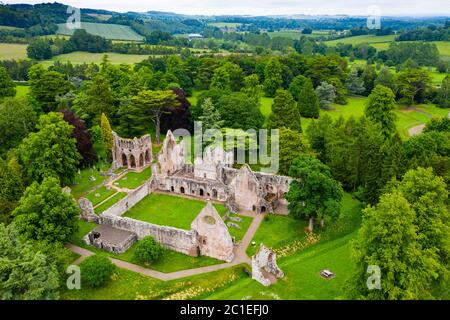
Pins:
<point x="131" y="153"/>
<point x="213" y="177"/>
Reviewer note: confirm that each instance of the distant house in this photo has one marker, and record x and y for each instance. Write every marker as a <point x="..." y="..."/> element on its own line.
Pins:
<point x="195" y="36"/>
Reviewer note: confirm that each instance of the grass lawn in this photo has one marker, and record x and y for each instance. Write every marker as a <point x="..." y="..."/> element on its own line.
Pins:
<point x="79" y="57"/>
<point x="22" y="91"/>
<point x="108" y="203"/>
<point x="127" y="285"/>
<point x="266" y="106"/>
<point x="169" y="210"/>
<point x="238" y="234"/>
<point x="14" y="51"/>
<point x="100" y="194"/>
<point x="83" y="184"/>
<point x="444" y="49"/>
<point x="132" y="180"/>
<point x="302" y="278"/>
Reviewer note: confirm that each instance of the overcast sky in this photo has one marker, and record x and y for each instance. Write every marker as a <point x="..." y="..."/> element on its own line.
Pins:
<point x="265" y="7"/>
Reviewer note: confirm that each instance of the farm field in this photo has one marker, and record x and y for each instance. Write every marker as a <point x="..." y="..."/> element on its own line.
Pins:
<point x="379" y="42"/>
<point x="108" y="31"/>
<point x="296" y="34"/>
<point x="225" y="24"/>
<point x="15" y="51"/>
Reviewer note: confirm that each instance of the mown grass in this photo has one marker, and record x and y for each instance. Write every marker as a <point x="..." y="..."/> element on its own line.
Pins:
<point x="111" y="201"/>
<point x="132" y="180"/>
<point x="167" y="210"/>
<point x="79" y="57"/>
<point x="22" y="91"/>
<point x="100" y="194"/>
<point x="82" y="184"/>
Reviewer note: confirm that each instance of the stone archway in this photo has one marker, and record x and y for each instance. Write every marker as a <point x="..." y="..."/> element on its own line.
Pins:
<point x="202" y="193"/>
<point x="132" y="161"/>
<point x="141" y="160"/>
<point x="124" y="160"/>
<point x="147" y="156"/>
<point x="214" y="193"/>
<point x="182" y="190"/>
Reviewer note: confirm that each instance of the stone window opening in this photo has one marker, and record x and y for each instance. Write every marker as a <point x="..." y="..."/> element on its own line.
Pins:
<point x="182" y="189"/>
<point x="201" y="193"/>
<point x="172" y="189"/>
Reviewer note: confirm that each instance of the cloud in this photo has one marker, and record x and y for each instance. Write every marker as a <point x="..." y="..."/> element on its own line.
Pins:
<point x="266" y="7"/>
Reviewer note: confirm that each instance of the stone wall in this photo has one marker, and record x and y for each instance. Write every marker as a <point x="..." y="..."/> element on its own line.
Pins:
<point x="129" y="201"/>
<point x="172" y="238"/>
<point x="264" y="266"/>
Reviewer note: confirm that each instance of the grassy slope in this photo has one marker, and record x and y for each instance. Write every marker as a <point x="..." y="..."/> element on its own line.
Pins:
<point x="79" y="57"/>
<point x="108" y="31"/>
<point x="132" y="180"/>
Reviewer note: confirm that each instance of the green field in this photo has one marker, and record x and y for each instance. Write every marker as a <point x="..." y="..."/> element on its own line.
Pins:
<point x="9" y="51"/>
<point x="79" y="57"/>
<point x="83" y="182"/>
<point x="108" y="31"/>
<point x="100" y="194"/>
<point x="167" y="210"/>
<point x="379" y="42"/>
<point x="444" y="49"/>
<point x="296" y="34"/>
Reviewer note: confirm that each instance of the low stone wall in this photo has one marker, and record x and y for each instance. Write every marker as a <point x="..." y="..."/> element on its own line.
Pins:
<point x="129" y="201"/>
<point x="172" y="238"/>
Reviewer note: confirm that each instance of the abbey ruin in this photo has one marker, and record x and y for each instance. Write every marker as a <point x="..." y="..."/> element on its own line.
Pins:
<point x="211" y="178"/>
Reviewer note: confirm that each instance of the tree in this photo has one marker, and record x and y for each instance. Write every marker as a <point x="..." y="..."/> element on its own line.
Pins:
<point x="442" y="66"/>
<point x="291" y="146"/>
<point x="95" y="98"/>
<point x="17" y="120"/>
<point x="7" y="86"/>
<point x="239" y="112"/>
<point x="388" y="240"/>
<point x="210" y="117"/>
<point x="46" y="212"/>
<point x="25" y="273"/>
<point x="252" y="88"/>
<point x="317" y="134"/>
<point x="355" y="83"/>
<point x="428" y="196"/>
<point x="179" y="115"/>
<point x="51" y="151"/>
<point x="413" y="85"/>
<point x="228" y="77"/>
<point x="83" y="138"/>
<point x="39" y="50"/>
<point x="443" y="95"/>
<point x="296" y="85"/>
<point x="107" y="136"/>
<point x="12" y="185"/>
<point x="438" y="124"/>
<point x="308" y="101"/>
<point x="386" y="78"/>
<point x="326" y="94"/>
<point x="45" y="87"/>
<point x="313" y="193"/>
<point x="285" y="112"/>
<point x="380" y="109"/>
<point x="272" y="77"/>
<point x="155" y="104"/>
<point x="148" y="250"/>
<point x="221" y="79"/>
<point x="96" y="271"/>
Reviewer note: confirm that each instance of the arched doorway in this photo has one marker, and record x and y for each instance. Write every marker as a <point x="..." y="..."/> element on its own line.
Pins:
<point x="132" y="162"/>
<point x="124" y="160"/>
<point x="147" y="156"/>
<point x="202" y="193"/>
<point x="181" y="189"/>
<point x="214" y="193"/>
<point x="263" y="209"/>
<point x="141" y="160"/>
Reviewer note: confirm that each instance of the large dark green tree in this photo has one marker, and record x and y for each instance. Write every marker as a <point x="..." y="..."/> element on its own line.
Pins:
<point x="7" y="86"/>
<point x="313" y="194"/>
<point x="308" y="102"/>
<point x="17" y="120"/>
<point x="285" y="112"/>
<point x="272" y="77"/>
<point x="51" y="151"/>
<point x="380" y="109"/>
<point x="291" y="146"/>
<point x="46" y="212"/>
